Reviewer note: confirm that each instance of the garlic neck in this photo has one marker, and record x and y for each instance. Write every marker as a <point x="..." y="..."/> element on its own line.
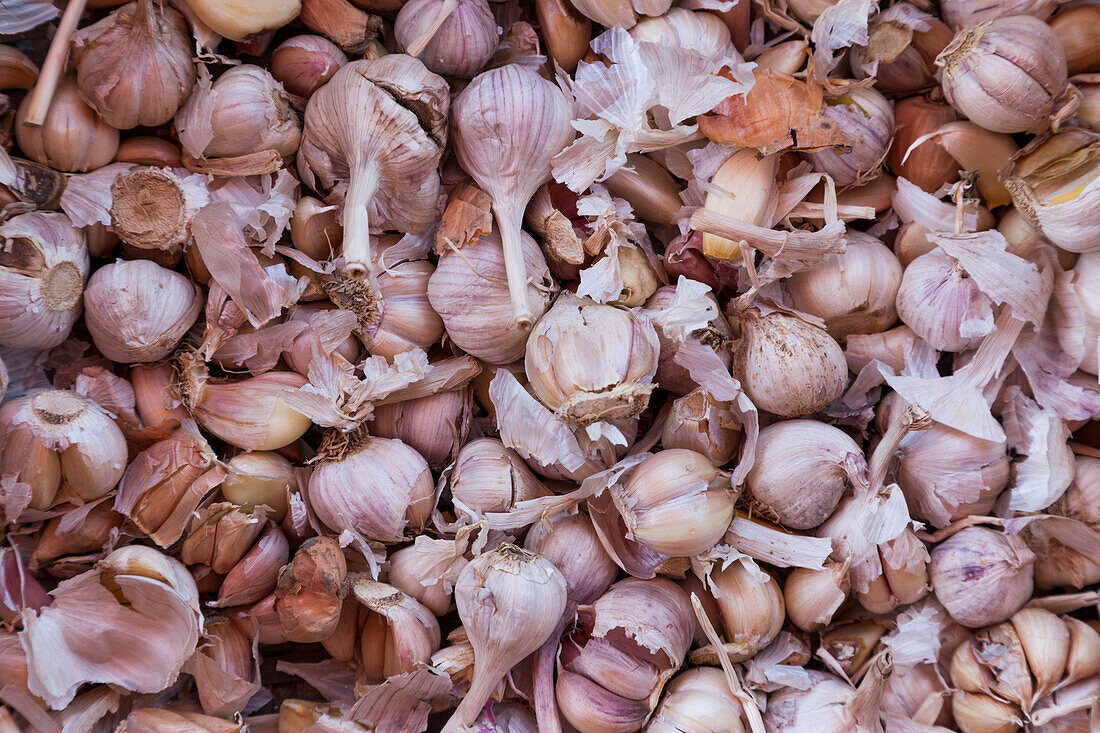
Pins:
<point x="994" y="349"/>
<point x="362" y="187"/>
<point x="509" y="218"/>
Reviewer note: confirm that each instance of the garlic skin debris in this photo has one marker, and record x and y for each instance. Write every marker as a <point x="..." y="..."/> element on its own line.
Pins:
<point x="260" y="478"/>
<point x="302" y="64"/>
<point x="360" y="130"/>
<point x="134" y="67"/>
<point x="698" y="701"/>
<point x="452" y="37"/>
<point x="221" y="534"/>
<point x="43" y="264"/>
<point x="982" y="576"/>
<point x="62" y="446"/>
<point x="589" y="362"/>
<point x="801" y="471"/>
<point x="151" y="211"/>
<point x="1058" y="564"/>
<point x="310" y="591"/>
<point x="509" y="601"/>
<point x="670" y="375"/>
<point x="223" y="668"/>
<point x="377" y="487"/>
<point x="73" y="139"/>
<point x="138" y="311"/>
<point x="508" y="123"/>
<point x="242" y="20"/>
<point x="867" y="120"/>
<point x="1007" y="74"/>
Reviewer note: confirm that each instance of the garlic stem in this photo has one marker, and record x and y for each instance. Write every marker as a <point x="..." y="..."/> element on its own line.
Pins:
<point x="546" y="705"/>
<point x="509" y="218"/>
<point x="913" y="417"/>
<point x="54" y="65"/>
<point x="362" y="186"/>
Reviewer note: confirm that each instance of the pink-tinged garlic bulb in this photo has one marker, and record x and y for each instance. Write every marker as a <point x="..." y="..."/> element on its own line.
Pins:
<point x="134" y="67"/>
<point x="589" y="362"/>
<point x="702" y="32"/>
<point x="435" y="426"/>
<point x="138" y="311"/>
<point x="1057" y="564"/>
<point x="670" y="375"/>
<point x="43" y="265"/>
<point x="302" y="64"/>
<point x="489" y="477"/>
<point x="451" y="37"/>
<point x="377" y="487"/>
<point x="982" y="576"/>
<point x="698" y="701"/>
<point x="469" y="293"/>
<point x="700" y="423"/>
<point x="934" y="300"/>
<point x="407" y="321"/>
<point x="961" y="14"/>
<point x="62" y="445"/>
<point x="1007" y="74"/>
<point x="854" y="291"/>
<point x="866" y="118"/>
<point x="73" y="139"/>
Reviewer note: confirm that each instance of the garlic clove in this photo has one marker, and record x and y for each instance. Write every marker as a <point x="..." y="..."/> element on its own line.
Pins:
<point x="565" y="31"/>
<point x="590" y="707"/>
<point x="221" y="534"/>
<point x="745" y="188"/>
<point x="648" y="188"/>
<point x="255" y="575"/>
<point x="812" y="597"/>
<point x="223" y="668"/>
<point x="398" y="634"/>
<point x="929" y="166"/>
<point x="302" y="64"/>
<point x="309" y="591"/>
<point x="852" y="644"/>
<point x="866" y="118"/>
<point x="1083" y="657"/>
<point x="1076" y="28"/>
<point x="240" y="20"/>
<point x="152" y="151"/>
<point x="17" y="71"/>
<point x="698" y="700"/>
<point x="73" y="139"/>
<point x="978" y="713"/>
<point x="574" y="548"/>
<point x="699" y="423"/>
<point x="489" y="477"/>
<point x="1046" y="642"/>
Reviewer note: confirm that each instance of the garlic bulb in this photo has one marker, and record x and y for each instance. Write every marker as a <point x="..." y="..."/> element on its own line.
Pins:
<point x="802" y="470"/>
<point x="134" y="67"/>
<point x="934" y="300"/>
<point x="700" y="423"/>
<point x="698" y="701"/>
<point x="702" y="32"/>
<point x="670" y="375"/>
<point x="43" y="264"/>
<point x="786" y="365"/>
<point x="73" y="139"/>
<point x="589" y="362"/>
<point x="967" y="13"/>
<point x="867" y="120"/>
<point x="572" y="545"/>
<point x="982" y="576"/>
<point x="302" y="64"/>
<point x="398" y="633"/>
<point x="241" y="20"/>
<point x="138" y="311"/>
<point x="451" y="37"/>
<point x="407" y="320"/>
<point x="151" y="211"/>
<point x="854" y="291"/>
<point x="812" y="597"/>
<point x="488" y="477"/>
<point x="260" y="478"/>
<point x="1007" y="74"/>
<point x="435" y="426"/>
<point x="62" y="445"/>
<point x="676" y="503"/>
<point x="469" y="293"/>
<point x="376" y="487"/>
<point x="509" y="601"/>
<point x="600" y="453"/>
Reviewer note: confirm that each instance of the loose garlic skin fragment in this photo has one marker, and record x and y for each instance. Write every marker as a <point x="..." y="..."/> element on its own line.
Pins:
<point x="699" y="423"/>
<point x="982" y="576"/>
<point x="489" y="477"/>
<point x="934" y="299"/>
<point x="1057" y="564"/>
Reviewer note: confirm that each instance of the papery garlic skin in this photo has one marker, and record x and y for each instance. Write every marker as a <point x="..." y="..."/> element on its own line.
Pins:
<point x="702" y="32"/>
<point x="73" y="139"/>
<point x="398" y="634"/>
<point x="459" y="45"/>
<point x="670" y="375"/>
<point x="982" y="576"/>
<point x="1057" y="564"/>
<point x="823" y="707"/>
<point x="43" y="265"/>
<point x="310" y="589"/>
<point x="302" y="64"/>
<point x="867" y="119"/>
<point x="967" y="13"/>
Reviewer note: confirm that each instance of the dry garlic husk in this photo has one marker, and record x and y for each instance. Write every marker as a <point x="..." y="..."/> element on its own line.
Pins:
<point x="867" y="119"/>
<point x="436" y="426"/>
<point x="787" y="365"/>
<point x="982" y="576"/>
<point x="225" y="673"/>
<point x="43" y="264"/>
<point x="73" y="138"/>
<point x="256" y="573"/>
<point x="929" y="166"/>
<point x="250" y="413"/>
<point x="138" y="311"/>
<point x="966" y="13"/>
<point x="489" y="477"/>
<point x="166" y="482"/>
<point x="362" y="138"/>
<point x="750" y="605"/>
<point x="827" y="704"/>
<point x="398" y="633"/>
<point x="220" y="535"/>
<point x="243" y="111"/>
<point x="1058" y="564"/>
<point x="812" y="597"/>
<point x="469" y="291"/>
<point x="698" y="31"/>
<point x="134" y="67"/>
<point x="670" y="375"/>
<point x="698" y="701"/>
<point x="155" y="395"/>
<point x="243" y="20"/>
<point x="508" y="123"/>
<point x="744" y="187"/>
<point x="1007" y="74"/>
<point x="1055" y="183"/>
<point x="151" y="211"/>
<point x="854" y="291"/>
<point x="310" y="590"/>
<point x="802" y="470"/>
<point x="428" y="568"/>
<point x="260" y="478"/>
<point x="510" y="601"/>
<point x="131" y="622"/>
<point x="62" y="446"/>
<point x="62" y="549"/>
<point x="1086" y="283"/>
<point x="901" y="50"/>
<point x="676" y="502"/>
<point x="700" y="423"/>
<point x="590" y="362"/>
<point x="452" y="37"/>
<point x="376" y="487"/>
<point x="303" y="63"/>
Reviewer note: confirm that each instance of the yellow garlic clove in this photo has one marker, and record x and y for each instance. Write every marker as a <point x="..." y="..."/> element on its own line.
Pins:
<point x="745" y="188"/>
<point x="240" y="20"/>
<point x="260" y="478"/>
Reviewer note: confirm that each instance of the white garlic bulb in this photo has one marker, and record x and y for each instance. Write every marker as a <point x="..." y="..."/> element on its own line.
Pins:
<point x="982" y="576"/>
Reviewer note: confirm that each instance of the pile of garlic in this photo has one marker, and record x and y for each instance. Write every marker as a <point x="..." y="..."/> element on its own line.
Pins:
<point x="566" y="365"/>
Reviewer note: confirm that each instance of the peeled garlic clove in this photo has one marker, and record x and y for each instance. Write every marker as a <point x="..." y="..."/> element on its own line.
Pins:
<point x="744" y="187"/>
<point x="309" y="591"/>
<point x="700" y="423"/>
<point x="240" y="20"/>
<point x="303" y="63"/>
<point x="256" y="574"/>
<point x="489" y="477"/>
<point x="435" y="426"/>
<point x="43" y="265"/>
<point x="260" y="477"/>
<point x="812" y="597"/>
<point x="1046" y="642"/>
<point x="453" y="38"/>
<point x="982" y="576"/>
<point x="698" y="701"/>
<point x="73" y="139"/>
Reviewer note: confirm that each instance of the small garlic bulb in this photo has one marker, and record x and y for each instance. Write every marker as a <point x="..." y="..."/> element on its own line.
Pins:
<point x="700" y="423"/>
<point x="982" y="576"/>
<point x="138" y="311"/>
<point x="260" y="478"/>
<point x="469" y="293"/>
<point x="812" y="597"/>
<point x="866" y="118"/>
<point x="670" y="375"/>
<point x="589" y="362"/>
<point x="854" y="291"/>
<point x="801" y="471"/>
<point x="376" y="487"/>
<point x="454" y="38"/>
<point x="1007" y="74"/>
<point x="303" y="63"/>
<point x="570" y="542"/>
<point x="698" y="701"/>
<point x="73" y="139"/>
<point x="489" y="477"/>
<point x="62" y="445"/>
<point x="43" y="264"/>
<point x="435" y="426"/>
<point x="134" y="67"/>
<point x="934" y="300"/>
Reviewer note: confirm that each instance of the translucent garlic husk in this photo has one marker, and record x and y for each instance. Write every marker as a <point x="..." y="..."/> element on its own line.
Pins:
<point x="138" y="311"/>
<point x="73" y="139"/>
<point x="670" y="375"/>
<point x="1056" y="185"/>
<point x="302" y="64"/>
<point x="469" y="292"/>
<point x="452" y="38"/>
<point x="787" y="366"/>
<point x="676" y="502"/>
<point x="698" y="701"/>
<point x="800" y="471"/>
<point x="982" y="576"/>
<point x="589" y="362"/>
<point x="489" y="477"/>
<point x="934" y="299"/>
<point x="43" y="264"/>
<point x="376" y="487"/>
<point x="702" y="32"/>
<point x="1007" y="74"/>
<point x="260" y="478"/>
<point x="853" y="292"/>
<point x="867" y="120"/>
<point x="134" y="67"/>
<point x="435" y="426"/>
<point x="966" y="13"/>
<point x="220" y="534"/>
<point x="700" y="423"/>
<point x="310" y="590"/>
<point x="1058" y="565"/>
<point x="57" y="544"/>
<point x="812" y="597"/>
<point x="223" y="668"/>
<point x="255" y="575"/>
<point x="305" y="346"/>
<point x="62" y="446"/>
<point x="398" y="633"/>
